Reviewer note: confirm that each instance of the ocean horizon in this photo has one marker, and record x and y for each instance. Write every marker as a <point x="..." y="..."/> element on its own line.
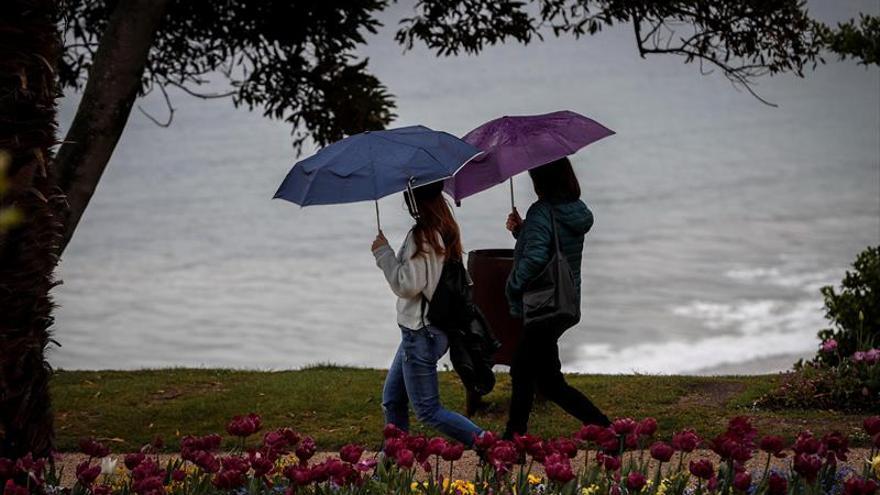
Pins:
<point x="718" y="218"/>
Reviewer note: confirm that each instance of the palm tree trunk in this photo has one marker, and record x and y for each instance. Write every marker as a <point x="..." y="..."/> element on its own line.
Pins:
<point x="29" y="48"/>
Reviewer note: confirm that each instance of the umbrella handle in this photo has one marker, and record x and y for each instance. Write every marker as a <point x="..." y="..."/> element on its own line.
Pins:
<point x="378" y="224"/>
<point x="512" y="206"/>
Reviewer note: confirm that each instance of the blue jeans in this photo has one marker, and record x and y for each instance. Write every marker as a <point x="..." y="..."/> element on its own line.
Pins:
<point x="413" y="378"/>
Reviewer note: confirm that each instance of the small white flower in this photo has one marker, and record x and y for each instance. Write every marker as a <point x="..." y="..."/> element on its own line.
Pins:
<point x="108" y="466"/>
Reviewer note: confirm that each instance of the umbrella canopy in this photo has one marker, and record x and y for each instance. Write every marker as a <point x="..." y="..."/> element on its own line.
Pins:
<point x="375" y="164"/>
<point x="515" y="144"/>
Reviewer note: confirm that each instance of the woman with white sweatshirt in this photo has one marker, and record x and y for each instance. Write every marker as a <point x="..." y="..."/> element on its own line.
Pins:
<point x="413" y="274"/>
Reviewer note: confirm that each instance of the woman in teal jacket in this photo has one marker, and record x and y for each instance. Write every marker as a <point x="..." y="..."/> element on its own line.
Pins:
<point x="536" y="359"/>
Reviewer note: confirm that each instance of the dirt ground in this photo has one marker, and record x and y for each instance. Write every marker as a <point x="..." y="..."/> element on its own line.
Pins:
<point x="465" y="468"/>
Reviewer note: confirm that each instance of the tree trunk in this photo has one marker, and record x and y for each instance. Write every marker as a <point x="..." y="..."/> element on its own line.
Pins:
<point x="112" y="87"/>
<point x="30" y="45"/>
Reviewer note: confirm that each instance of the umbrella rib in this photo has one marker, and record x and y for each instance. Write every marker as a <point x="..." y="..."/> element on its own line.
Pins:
<point x="419" y="148"/>
<point x="373" y="174"/>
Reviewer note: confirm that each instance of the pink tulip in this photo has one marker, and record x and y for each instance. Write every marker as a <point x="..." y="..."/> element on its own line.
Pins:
<point x="485" y="441"/>
<point x="859" y="486"/>
<point x="244" y="425"/>
<point x="647" y="427"/>
<point x="662" y="451"/>
<point x="351" y="453"/>
<point x="742" y="481"/>
<point x="624" y="426"/>
<point x="405" y="458"/>
<point x="807" y="465"/>
<point x="392" y="431"/>
<point x="93" y="448"/>
<point x="635" y="481"/>
<point x="685" y="441"/>
<point x="452" y="452"/>
<point x="306" y="449"/>
<point x="872" y="425"/>
<point x="777" y="484"/>
<point x="86" y="474"/>
<point x="829" y="346"/>
<point x="436" y="446"/>
<point x="702" y="468"/>
<point x="773" y="445"/>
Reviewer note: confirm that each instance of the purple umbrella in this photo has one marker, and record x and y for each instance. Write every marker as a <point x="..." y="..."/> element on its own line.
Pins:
<point x="516" y="144"/>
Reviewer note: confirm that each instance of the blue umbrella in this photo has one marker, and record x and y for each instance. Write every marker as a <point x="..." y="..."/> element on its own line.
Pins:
<point x="375" y="164"/>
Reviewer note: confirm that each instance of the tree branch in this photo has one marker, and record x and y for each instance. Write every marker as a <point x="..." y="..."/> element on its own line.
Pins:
<point x="167" y="104"/>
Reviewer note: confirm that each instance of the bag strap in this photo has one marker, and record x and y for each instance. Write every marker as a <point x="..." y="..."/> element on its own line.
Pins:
<point x="554" y="229"/>
<point x="425" y="301"/>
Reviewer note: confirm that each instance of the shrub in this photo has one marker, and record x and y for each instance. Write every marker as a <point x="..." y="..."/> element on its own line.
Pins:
<point x="854" y="312"/>
<point x="845" y="373"/>
<point x="847" y="386"/>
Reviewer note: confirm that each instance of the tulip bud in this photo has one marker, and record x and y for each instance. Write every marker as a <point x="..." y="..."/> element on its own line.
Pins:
<point x="647" y="427"/>
<point x="392" y="431"/>
<point x="635" y="481"/>
<point x="742" y="481"/>
<point x="306" y="449"/>
<point x="872" y="425"/>
<point x="405" y="458"/>
<point x="624" y="426"/>
<point x="662" y="451"/>
<point x="436" y="446"/>
<point x="351" y="453"/>
<point x="702" y="468"/>
<point x="452" y="452"/>
<point x="685" y="441"/>
<point x="777" y="484"/>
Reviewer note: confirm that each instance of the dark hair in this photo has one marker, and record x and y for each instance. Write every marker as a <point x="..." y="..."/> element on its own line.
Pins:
<point x="556" y="182"/>
<point x="434" y="217"/>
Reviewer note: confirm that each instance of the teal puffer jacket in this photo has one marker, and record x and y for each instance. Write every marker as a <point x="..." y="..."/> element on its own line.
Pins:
<point x="534" y="242"/>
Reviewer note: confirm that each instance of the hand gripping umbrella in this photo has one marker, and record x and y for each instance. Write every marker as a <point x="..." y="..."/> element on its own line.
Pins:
<point x="375" y="164"/>
<point x="515" y="144"/>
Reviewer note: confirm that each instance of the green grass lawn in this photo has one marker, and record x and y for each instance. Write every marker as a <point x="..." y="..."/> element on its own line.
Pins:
<point x="340" y="405"/>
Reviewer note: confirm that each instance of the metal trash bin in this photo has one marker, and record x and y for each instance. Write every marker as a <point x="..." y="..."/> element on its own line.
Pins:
<point x="489" y="269"/>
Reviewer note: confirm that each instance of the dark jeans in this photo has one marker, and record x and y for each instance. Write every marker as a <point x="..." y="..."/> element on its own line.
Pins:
<point x="536" y="364"/>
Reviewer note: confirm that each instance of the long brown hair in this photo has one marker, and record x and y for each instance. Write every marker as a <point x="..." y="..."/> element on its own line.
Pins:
<point x="434" y="217"/>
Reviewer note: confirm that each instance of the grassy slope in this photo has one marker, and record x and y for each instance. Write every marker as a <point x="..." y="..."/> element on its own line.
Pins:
<point x="340" y="405"/>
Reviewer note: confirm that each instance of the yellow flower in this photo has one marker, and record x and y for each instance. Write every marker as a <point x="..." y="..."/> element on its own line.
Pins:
<point x="173" y="486"/>
<point x="459" y="487"/>
<point x="590" y="490"/>
<point x="664" y="485"/>
<point x="286" y="460"/>
<point x="875" y="465"/>
<point x="534" y="479"/>
<point x="120" y="478"/>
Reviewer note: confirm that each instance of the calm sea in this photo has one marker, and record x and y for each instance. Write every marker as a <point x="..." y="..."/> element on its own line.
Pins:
<point x="717" y="217"/>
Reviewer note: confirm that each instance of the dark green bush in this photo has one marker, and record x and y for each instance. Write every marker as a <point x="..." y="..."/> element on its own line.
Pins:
<point x="854" y="312"/>
<point x="845" y="374"/>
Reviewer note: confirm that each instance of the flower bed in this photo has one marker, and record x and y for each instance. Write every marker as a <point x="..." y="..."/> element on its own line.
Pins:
<point x="832" y="380"/>
<point x="621" y="459"/>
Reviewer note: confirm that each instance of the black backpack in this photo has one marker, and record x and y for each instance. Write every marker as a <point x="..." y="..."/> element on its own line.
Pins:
<point x="471" y="343"/>
<point x="452" y="304"/>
